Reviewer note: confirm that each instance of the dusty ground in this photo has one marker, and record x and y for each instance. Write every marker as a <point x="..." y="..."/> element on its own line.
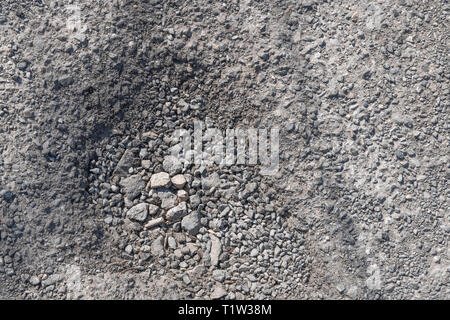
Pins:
<point x="90" y="92"/>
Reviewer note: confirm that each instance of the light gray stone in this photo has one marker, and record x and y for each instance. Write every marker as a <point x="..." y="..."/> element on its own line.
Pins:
<point x="154" y="222"/>
<point x="172" y="165"/>
<point x="218" y="292"/>
<point x="219" y="275"/>
<point x="211" y="181"/>
<point x="153" y="209"/>
<point x="35" y="280"/>
<point x="216" y="250"/>
<point x="168" y="199"/>
<point x="182" y="195"/>
<point x="158" y="180"/>
<point x="157" y="247"/>
<point x="178" y="181"/>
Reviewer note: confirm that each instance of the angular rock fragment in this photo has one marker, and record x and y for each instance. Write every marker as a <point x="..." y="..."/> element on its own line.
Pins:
<point x="216" y="250"/>
<point x="218" y="292"/>
<point x="182" y="195"/>
<point x="138" y="212"/>
<point x="157" y="247"/>
<point x="177" y="212"/>
<point x="125" y="163"/>
<point x="191" y="223"/>
<point x="211" y="181"/>
<point x="133" y="186"/>
<point x="172" y="165"/>
<point x="168" y="199"/>
<point x="152" y="209"/>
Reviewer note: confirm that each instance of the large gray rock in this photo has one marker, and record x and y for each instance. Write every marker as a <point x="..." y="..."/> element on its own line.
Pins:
<point x="132" y="186"/>
<point x="191" y="223"/>
<point x="138" y="212"/>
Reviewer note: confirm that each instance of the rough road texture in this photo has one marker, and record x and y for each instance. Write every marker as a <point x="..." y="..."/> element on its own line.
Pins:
<point x="91" y="90"/>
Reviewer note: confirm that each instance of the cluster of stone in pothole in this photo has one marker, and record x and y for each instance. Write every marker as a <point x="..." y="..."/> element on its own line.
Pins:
<point x="218" y="225"/>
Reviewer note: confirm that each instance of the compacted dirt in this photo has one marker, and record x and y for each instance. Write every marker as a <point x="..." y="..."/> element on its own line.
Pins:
<point x="93" y="204"/>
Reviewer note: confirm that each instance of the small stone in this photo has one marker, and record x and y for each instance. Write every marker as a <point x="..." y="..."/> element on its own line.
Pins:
<point x="216" y="250"/>
<point x="182" y="195"/>
<point x="352" y="292"/>
<point x="149" y="134"/>
<point x="138" y="212"/>
<point x="143" y="153"/>
<point x="177" y="212"/>
<point x="186" y="279"/>
<point x="8" y="196"/>
<point x="129" y="249"/>
<point x="191" y="223"/>
<point x="340" y="287"/>
<point x="195" y="201"/>
<point x="22" y="65"/>
<point x="211" y="181"/>
<point x="400" y="155"/>
<point x="154" y="222"/>
<point x="108" y="220"/>
<point x="51" y="280"/>
<point x="254" y="253"/>
<point x="172" y="165"/>
<point x="218" y="292"/>
<point x="179" y="181"/>
<point x="159" y="180"/>
<point x="146" y="164"/>
<point x="125" y="163"/>
<point x="35" y="280"/>
<point x="219" y="275"/>
<point x="152" y="209"/>
<point x="171" y="243"/>
<point x="131" y="226"/>
<point x="168" y="199"/>
<point x="157" y="247"/>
